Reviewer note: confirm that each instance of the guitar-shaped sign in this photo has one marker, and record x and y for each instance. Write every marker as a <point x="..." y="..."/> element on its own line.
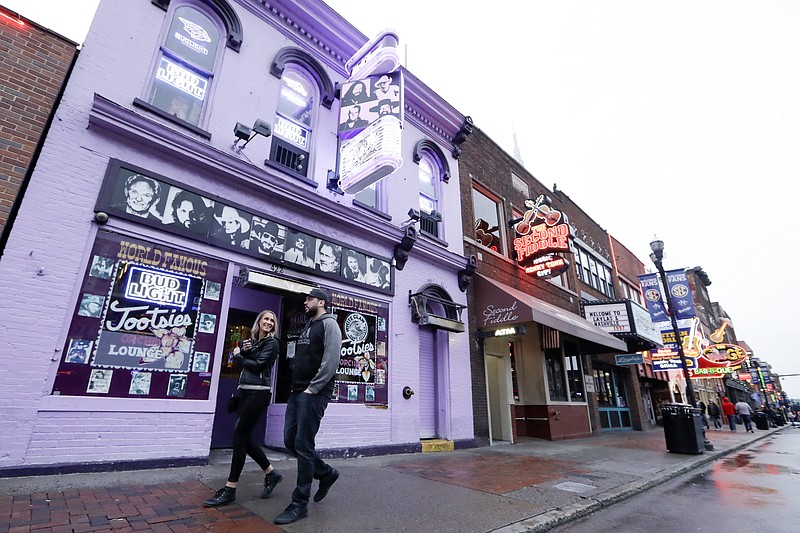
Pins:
<point x="537" y="209"/>
<point x="719" y="334"/>
<point x="483" y="234"/>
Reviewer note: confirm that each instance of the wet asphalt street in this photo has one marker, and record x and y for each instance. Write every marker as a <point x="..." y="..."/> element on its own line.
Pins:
<point x="755" y="489"/>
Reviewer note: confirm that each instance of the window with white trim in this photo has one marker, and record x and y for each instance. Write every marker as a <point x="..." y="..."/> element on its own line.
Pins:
<point x="184" y="70"/>
<point x="593" y="272"/>
<point x="291" y="143"/>
<point x="488" y="217"/>
<point x="429" y="175"/>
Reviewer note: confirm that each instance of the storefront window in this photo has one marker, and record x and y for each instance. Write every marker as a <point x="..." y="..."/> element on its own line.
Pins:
<point x="574" y="372"/>
<point x="512" y="352"/>
<point x="610" y="388"/>
<point x="555" y="374"/>
<point x="145" y="324"/>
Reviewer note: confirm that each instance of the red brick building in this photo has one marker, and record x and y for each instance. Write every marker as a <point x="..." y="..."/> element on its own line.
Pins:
<point x="539" y="368"/>
<point x="34" y="64"/>
<point x="531" y="359"/>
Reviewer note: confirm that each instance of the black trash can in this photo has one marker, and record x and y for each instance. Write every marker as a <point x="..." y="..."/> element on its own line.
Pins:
<point x="761" y="420"/>
<point x="778" y="419"/>
<point x="683" y="428"/>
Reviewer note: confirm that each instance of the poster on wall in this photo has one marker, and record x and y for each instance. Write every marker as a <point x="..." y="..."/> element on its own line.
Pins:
<point x="363" y="367"/>
<point x="144" y="324"/>
<point x="140" y="196"/>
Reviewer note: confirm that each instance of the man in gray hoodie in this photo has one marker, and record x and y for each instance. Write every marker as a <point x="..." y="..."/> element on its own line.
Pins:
<point x="744" y="410"/>
<point x="316" y="359"/>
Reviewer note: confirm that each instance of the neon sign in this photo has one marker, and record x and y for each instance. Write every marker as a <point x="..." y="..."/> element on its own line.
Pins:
<point x="16" y="21"/>
<point x="291" y="131"/>
<point x="181" y="78"/>
<point x="542" y="240"/>
<point x="548" y="266"/>
<point x="541" y="232"/>
<point x="157" y="287"/>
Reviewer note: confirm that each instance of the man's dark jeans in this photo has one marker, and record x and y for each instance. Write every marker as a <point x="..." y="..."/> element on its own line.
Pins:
<point x="304" y="413"/>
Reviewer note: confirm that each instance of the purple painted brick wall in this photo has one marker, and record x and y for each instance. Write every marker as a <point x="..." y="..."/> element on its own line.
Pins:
<point x="47" y="253"/>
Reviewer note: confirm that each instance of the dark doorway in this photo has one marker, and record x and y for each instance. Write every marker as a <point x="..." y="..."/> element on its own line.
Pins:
<point x="238" y="328"/>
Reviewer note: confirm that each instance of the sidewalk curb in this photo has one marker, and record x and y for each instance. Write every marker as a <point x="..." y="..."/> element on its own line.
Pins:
<point x="559" y="516"/>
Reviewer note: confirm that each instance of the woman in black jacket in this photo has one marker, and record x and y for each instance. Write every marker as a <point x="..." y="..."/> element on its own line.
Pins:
<point x="257" y="356"/>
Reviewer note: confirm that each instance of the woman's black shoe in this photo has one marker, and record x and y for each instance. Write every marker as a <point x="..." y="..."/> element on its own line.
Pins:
<point x="223" y="496"/>
<point x="270" y="481"/>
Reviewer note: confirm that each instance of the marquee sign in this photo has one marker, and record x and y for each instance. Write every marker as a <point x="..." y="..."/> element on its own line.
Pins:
<point x="542" y="232"/>
<point x="371" y="155"/>
<point x="378" y="55"/>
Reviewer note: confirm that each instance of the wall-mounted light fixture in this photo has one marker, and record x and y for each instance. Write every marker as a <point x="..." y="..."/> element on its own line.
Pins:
<point x="406" y="244"/>
<point x="413" y="216"/>
<point x="465" y="275"/>
<point x="247" y="134"/>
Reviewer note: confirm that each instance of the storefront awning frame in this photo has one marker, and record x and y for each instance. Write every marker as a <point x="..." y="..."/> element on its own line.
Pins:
<point x="498" y="304"/>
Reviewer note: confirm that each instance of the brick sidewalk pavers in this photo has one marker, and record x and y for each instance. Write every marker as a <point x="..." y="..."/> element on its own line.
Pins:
<point x="163" y="508"/>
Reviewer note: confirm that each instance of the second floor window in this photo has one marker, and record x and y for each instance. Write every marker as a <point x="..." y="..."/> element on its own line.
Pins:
<point x="292" y="128"/>
<point x="368" y="196"/>
<point x="487" y="221"/>
<point x="593" y="272"/>
<point x="185" y="66"/>
<point x="429" y="195"/>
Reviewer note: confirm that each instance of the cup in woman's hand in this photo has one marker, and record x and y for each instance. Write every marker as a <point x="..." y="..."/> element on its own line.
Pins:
<point x="247" y="344"/>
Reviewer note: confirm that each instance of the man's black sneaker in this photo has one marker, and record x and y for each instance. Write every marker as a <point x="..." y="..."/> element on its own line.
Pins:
<point x="325" y="485"/>
<point x="293" y="513"/>
<point x="270" y="481"/>
<point x="223" y="496"/>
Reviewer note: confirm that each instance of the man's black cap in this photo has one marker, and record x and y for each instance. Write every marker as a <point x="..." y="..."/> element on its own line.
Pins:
<point x="319" y="294"/>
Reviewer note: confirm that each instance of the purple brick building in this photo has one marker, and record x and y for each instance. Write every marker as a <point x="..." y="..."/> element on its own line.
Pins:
<point x="189" y="181"/>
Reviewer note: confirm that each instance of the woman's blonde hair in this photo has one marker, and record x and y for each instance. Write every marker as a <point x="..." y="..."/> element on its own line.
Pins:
<point x="255" y="331"/>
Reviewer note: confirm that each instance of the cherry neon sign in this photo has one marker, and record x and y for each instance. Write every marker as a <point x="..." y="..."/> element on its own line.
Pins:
<point x="542" y="232"/>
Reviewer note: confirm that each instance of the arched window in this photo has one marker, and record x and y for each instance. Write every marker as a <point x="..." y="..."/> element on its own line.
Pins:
<point x="433" y="170"/>
<point x="184" y="70"/>
<point x="304" y="87"/>
<point x="293" y="121"/>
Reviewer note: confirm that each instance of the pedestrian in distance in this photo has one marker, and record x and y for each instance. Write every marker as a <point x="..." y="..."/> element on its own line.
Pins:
<point x="704" y="413"/>
<point x="744" y="410"/>
<point x="316" y="360"/>
<point x="714" y="412"/>
<point x="730" y="412"/>
<point x="256" y="358"/>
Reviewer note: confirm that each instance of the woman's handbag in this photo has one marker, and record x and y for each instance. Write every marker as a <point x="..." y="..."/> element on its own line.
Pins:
<point x="233" y="403"/>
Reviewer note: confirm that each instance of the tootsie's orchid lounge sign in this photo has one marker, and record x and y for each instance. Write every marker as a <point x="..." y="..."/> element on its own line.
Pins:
<point x="542" y="233"/>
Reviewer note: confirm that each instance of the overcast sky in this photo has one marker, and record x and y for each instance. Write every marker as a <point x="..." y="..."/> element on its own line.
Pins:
<point x="680" y="119"/>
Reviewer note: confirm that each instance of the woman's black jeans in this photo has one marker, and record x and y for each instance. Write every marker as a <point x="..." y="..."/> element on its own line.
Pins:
<point x="252" y="407"/>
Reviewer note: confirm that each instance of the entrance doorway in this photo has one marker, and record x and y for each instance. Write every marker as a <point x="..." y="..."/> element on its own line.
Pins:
<point x="612" y="398"/>
<point x="245" y="304"/>
<point x="428" y="392"/>
<point x="498" y="360"/>
<point x="237" y="329"/>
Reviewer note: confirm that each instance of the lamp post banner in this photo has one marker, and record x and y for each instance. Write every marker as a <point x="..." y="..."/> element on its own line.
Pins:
<point x="682" y="300"/>
<point x="653" y="298"/>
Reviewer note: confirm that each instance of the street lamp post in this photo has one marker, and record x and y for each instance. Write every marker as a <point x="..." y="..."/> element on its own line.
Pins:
<point x="657" y="257"/>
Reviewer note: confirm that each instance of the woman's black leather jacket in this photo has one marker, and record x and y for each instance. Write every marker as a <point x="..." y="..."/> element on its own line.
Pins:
<point x="257" y="362"/>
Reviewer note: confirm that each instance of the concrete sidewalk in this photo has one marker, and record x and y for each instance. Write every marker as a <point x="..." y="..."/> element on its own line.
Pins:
<point x="531" y="486"/>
